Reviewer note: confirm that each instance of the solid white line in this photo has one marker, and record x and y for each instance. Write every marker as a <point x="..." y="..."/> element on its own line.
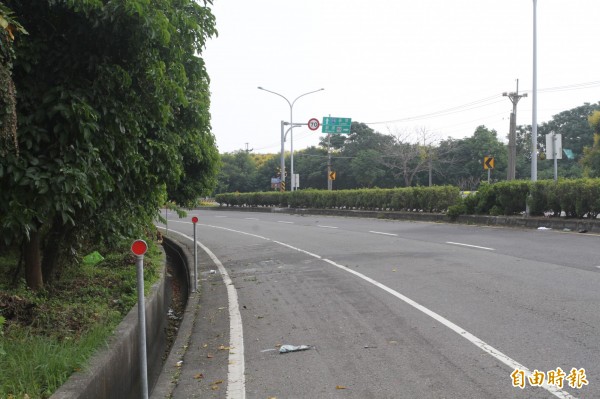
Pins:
<point x="327" y="227"/>
<point x="297" y="249"/>
<point x="221" y="217"/>
<point x="281" y="221"/>
<point x="250" y="218"/>
<point x="384" y="234"/>
<point x="459" y="330"/>
<point x="471" y="246"/>
<point x="236" y="381"/>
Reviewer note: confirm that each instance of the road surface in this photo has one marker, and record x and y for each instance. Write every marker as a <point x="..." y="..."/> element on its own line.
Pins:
<point x="390" y="309"/>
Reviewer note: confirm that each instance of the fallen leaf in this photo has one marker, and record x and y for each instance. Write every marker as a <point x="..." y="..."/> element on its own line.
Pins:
<point x="205" y="345"/>
<point x="393" y="270"/>
<point x="224" y="348"/>
<point x="217" y="382"/>
<point x="199" y="376"/>
<point x="340" y="387"/>
<point x="209" y="356"/>
<point x="215" y="387"/>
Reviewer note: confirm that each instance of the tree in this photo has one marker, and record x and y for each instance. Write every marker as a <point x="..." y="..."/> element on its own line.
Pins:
<point x="591" y="155"/>
<point x="238" y="173"/>
<point x="8" y="95"/>
<point x="113" y="111"/>
<point x="366" y="168"/>
<point x="405" y="157"/>
<point x="467" y="169"/>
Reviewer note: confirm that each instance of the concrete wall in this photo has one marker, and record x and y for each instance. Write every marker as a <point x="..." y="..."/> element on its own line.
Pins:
<point x="114" y="372"/>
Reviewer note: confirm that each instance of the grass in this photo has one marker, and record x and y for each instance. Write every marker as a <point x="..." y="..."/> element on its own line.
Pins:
<point x="45" y="336"/>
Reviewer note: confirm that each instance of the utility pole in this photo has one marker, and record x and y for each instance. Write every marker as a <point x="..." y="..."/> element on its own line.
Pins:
<point x="248" y="149"/>
<point x="329" y="181"/>
<point x="512" y="135"/>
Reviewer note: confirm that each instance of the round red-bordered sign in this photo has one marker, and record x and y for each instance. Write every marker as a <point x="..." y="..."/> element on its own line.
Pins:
<point x="139" y="247"/>
<point x="313" y="124"/>
<point x="194" y="220"/>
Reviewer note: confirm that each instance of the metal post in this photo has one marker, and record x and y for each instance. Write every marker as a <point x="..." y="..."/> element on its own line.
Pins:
<point x="142" y="325"/>
<point x="489" y="175"/>
<point x="329" y="181"/>
<point x="292" y="183"/>
<point x="166" y="222"/>
<point x="291" y="104"/>
<point x="195" y="261"/>
<point x="282" y="166"/>
<point x="534" y="100"/>
<point x="555" y="156"/>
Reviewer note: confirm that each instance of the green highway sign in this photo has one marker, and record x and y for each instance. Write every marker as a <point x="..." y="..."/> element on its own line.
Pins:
<point x="336" y="125"/>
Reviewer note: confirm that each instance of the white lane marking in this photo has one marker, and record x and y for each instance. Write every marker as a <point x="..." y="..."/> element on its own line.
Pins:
<point x="327" y="227"/>
<point x="457" y="329"/>
<point x="281" y="221"/>
<point x="468" y="245"/>
<point x="598" y="267"/>
<point x="297" y="249"/>
<point x="222" y="217"/>
<point x="384" y="234"/>
<point x="250" y="218"/>
<point x="236" y="381"/>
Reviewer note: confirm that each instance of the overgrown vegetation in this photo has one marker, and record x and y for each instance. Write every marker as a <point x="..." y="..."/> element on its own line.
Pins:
<point x="113" y="121"/>
<point x="50" y="333"/>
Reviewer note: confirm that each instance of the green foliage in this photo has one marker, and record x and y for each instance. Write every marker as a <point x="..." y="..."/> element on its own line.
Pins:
<point x="113" y="114"/>
<point x="454" y="211"/>
<point x="425" y="199"/>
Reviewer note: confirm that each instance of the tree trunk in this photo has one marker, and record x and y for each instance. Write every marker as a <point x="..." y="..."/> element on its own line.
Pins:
<point x="33" y="262"/>
<point x="54" y="243"/>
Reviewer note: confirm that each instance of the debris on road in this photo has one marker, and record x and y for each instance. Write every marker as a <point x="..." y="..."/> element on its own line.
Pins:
<point x="293" y="348"/>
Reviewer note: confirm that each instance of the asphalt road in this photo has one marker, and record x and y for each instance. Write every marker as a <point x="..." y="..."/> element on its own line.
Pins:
<point x="394" y="309"/>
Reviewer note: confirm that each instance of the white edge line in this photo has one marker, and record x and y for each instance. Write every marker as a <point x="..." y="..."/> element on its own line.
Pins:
<point x="236" y="381"/>
<point x="384" y="234"/>
<point x="327" y="227"/>
<point x="469" y="245"/>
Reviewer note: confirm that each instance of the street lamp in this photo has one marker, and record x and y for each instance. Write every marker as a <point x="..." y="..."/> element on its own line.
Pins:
<point x="291" y="104"/>
<point x="534" y="99"/>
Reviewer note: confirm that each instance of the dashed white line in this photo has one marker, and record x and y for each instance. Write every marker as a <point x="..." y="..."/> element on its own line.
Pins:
<point x="327" y="227"/>
<point x="282" y="221"/>
<point x="384" y="234"/>
<point x="469" y="245"/>
<point x="250" y="218"/>
<point x="221" y="217"/>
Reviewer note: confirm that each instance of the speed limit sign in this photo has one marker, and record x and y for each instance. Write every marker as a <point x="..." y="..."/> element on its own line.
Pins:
<point x="313" y="124"/>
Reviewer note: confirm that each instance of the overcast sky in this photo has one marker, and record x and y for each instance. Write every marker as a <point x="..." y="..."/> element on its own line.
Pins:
<point x="397" y="65"/>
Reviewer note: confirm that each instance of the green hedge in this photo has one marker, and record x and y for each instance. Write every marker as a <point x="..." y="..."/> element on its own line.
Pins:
<point x="422" y="199"/>
<point x="576" y="197"/>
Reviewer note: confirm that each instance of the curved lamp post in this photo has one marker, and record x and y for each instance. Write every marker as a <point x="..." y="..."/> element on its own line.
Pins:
<point x="291" y="104"/>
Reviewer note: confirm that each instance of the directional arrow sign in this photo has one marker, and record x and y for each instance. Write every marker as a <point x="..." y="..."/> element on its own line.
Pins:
<point x="331" y="175"/>
<point x="488" y="163"/>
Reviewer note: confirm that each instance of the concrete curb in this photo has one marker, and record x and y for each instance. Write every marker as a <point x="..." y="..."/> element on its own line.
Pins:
<point x="114" y="371"/>
<point x="168" y="379"/>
